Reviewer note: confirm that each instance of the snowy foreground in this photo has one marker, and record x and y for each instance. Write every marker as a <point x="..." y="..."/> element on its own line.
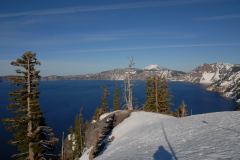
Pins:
<point x="145" y="136"/>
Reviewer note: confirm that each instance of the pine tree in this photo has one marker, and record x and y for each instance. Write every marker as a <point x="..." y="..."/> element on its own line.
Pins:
<point x="164" y="97"/>
<point x="182" y="110"/>
<point x="104" y="105"/>
<point x="70" y="130"/>
<point x="78" y="135"/>
<point x="150" y="100"/>
<point x="32" y="136"/>
<point x="97" y="114"/>
<point x="116" y="98"/>
<point x="156" y="92"/>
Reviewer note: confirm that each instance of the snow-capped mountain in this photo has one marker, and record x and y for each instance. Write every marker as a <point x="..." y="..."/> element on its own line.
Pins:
<point x="152" y="67"/>
<point x="156" y="136"/>
<point x="229" y="85"/>
<point x="209" y="73"/>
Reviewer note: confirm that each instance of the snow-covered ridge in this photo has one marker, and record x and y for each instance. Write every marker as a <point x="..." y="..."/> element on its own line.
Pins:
<point x="221" y="77"/>
<point x="229" y="85"/>
<point x="206" y="73"/>
<point x="210" y="73"/>
<point x="151" y="136"/>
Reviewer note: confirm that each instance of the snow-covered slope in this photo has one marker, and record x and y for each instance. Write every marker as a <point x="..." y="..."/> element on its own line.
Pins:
<point x="229" y="85"/>
<point x="208" y="77"/>
<point x="209" y="73"/>
<point x="151" y="136"/>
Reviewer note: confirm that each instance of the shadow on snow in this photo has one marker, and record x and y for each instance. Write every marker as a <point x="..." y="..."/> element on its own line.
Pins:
<point x="162" y="154"/>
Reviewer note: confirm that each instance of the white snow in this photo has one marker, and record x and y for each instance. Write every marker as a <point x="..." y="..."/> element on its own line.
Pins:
<point x="151" y="136"/>
<point x="152" y="67"/>
<point x="107" y="114"/>
<point x="85" y="155"/>
<point x="228" y="65"/>
<point x="207" y="77"/>
<point x="225" y="83"/>
<point x="130" y="72"/>
<point x="165" y="73"/>
<point x="71" y="137"/>
<point x="217" y="75"/>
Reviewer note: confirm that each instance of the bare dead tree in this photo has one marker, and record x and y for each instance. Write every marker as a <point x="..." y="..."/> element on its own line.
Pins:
<point x="128" y="84"/>
<point x="62" y="149"/>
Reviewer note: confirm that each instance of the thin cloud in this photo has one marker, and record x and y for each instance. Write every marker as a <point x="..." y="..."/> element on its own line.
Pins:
<point x="161" y="46"/>
<point x="123" y="6"/>
<point x="221" y="17"/>
<point x="94" y="37"/>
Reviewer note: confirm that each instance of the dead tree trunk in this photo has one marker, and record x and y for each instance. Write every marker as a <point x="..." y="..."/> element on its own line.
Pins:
<point x="128" y="92"/>
<point x="62" y="149"/>
<point x="130" y="105"/>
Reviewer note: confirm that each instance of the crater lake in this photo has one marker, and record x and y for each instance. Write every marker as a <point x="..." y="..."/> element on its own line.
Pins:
<point x="61" y="101"/>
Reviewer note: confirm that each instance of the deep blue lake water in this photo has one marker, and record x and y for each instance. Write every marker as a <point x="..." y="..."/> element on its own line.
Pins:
<point x="62" y="100"/>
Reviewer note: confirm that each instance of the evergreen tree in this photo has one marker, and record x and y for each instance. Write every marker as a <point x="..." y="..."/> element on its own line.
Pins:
<point x="70" y="130"/>
<point x="150" y="100"/>
<point x="104" y="105"/>
<point x="164" y="97"/>
<point x="182" y="110"/>
<point x="96" y="114"/>
<point x="33" y="138"/>
<point x="116" y="98"/>
<point x="78" y="136"/>
<point x="157" y="96"/>
<point x="156" y="92"/>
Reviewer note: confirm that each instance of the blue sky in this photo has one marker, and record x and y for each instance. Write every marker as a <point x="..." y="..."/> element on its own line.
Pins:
<point x="76" y="37"/>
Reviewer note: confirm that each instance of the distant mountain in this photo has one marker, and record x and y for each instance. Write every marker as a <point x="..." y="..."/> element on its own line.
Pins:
<point x="120" y="74"/>
<point x="115" y="74"/>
